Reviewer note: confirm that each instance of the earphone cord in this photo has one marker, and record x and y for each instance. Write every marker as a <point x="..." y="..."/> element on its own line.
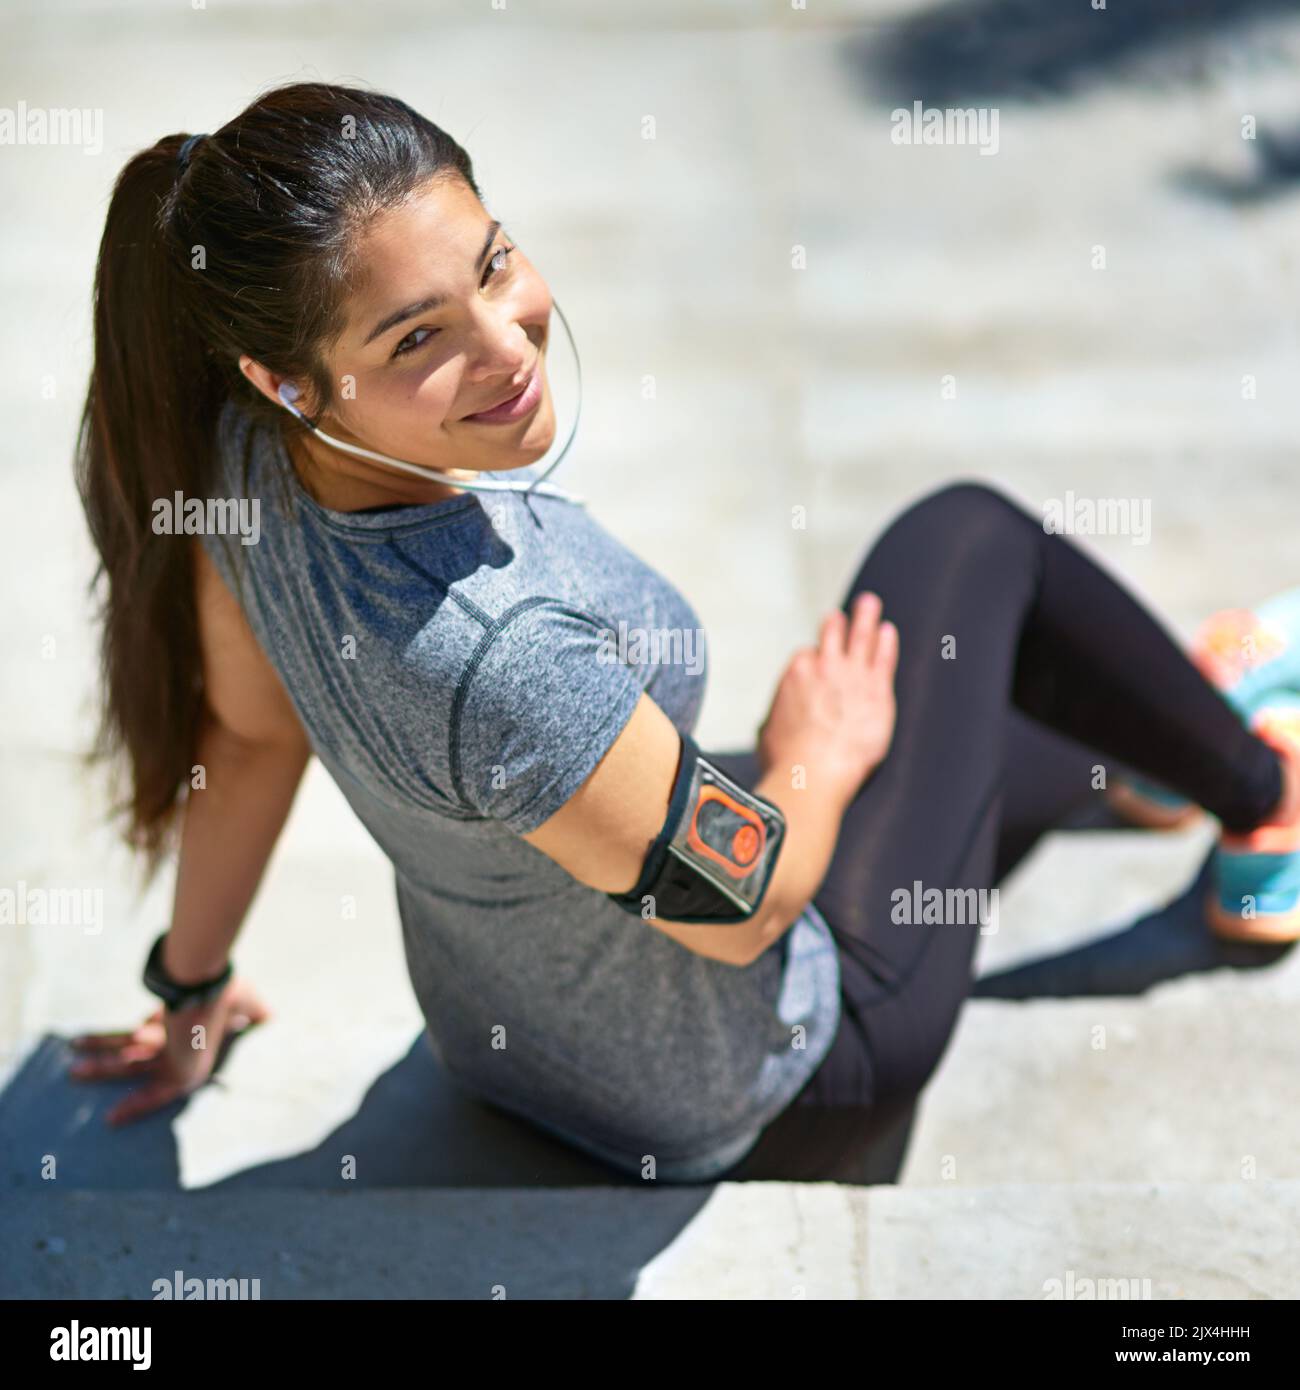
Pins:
<point x="577" y="414"/>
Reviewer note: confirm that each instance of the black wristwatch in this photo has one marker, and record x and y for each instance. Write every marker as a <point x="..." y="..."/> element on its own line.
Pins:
<point x="176" y="996"/>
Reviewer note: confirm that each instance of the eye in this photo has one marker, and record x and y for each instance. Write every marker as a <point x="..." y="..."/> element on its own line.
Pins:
<point x="498" y="262"/>
<point x="496" y="265"/>
<point x="408" y="343"/>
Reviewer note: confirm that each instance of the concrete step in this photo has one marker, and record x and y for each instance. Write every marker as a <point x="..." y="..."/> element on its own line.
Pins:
<point x="1123" y="1047"/>
<point x="750" y="1240"/>
<point x="1128" y="1046"/>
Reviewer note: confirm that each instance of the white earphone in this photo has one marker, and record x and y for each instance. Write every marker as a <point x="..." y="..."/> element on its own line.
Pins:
<point x="288" y="394"/>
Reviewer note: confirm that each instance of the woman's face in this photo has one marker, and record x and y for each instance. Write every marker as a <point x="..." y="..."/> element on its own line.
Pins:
<point x="448" y="319"/>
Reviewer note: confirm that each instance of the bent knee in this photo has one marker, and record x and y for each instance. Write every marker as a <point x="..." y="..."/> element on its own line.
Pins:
<point x="966" y="514"/>
<point x="967" y="498"/>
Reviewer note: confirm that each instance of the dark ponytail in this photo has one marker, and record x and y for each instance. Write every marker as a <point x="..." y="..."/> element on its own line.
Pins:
<point x="249" y="247"/>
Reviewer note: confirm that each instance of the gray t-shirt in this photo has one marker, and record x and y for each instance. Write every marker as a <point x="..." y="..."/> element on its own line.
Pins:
<point x="461" y="667"/>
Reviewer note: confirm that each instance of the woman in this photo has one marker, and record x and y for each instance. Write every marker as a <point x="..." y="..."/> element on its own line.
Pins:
<point x="444" y="651"/>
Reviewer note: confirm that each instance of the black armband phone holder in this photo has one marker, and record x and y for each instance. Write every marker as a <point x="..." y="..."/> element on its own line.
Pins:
<point x="713" y="859"/>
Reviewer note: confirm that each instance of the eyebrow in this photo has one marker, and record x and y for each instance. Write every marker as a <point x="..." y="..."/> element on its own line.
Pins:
<point x="432" y="301"/>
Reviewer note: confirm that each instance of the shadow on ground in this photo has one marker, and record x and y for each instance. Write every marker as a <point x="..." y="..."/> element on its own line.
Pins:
<point x="974" y="52"/>
<point x="544" y="1219"/>
<point x="989" y="50"/>
<point x="1171" y="941"/>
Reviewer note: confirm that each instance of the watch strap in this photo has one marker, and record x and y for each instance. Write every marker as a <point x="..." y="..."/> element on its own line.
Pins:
<point x="174" y="994"/>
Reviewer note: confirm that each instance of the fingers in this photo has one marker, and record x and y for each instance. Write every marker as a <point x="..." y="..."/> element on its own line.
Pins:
<point x="130" y="1061"/>
<point x="858" y="635"/>
<point x="830" y="643"/>
<point x="117" y="1054"/>
<point x="245" y="1017"/>
<point x="152" y="1030"/>
<point x="864" y="630"/>
<point x="253" y="1010"/>
<point x="104" y="1042"/>
<point x="143" y="1100"/>
<point x="886" y="657"/>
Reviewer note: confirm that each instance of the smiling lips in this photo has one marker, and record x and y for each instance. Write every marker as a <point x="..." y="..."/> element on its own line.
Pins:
<point x="517" y="406"/>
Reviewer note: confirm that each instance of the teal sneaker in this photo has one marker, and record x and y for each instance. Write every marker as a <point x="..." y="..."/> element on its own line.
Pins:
<point x="1255" y="885"/>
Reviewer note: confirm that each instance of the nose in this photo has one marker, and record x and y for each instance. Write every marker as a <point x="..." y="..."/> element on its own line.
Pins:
<point x="502" y="347"/>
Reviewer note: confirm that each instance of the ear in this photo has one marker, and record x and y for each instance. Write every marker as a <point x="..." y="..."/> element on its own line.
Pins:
<point x="269" y="383"/>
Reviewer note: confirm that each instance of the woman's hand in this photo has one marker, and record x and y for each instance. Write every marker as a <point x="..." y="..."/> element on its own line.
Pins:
<point x="833" y="712"/>
<point x="172" y="1053"/>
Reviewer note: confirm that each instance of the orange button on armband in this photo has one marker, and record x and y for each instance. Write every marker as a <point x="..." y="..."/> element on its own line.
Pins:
<point x="725" y="832"/>
<point x="745" y="845"/>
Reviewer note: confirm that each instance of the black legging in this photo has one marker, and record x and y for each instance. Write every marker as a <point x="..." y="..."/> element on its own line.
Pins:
<point x="1022" y="667"/>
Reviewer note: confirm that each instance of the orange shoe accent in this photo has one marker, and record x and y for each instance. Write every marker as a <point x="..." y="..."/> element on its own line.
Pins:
<point x="1231" y="642"/>
<point x="1277" y="929"/>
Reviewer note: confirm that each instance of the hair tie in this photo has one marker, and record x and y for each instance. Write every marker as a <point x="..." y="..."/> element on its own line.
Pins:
<point x="183" y="156"/>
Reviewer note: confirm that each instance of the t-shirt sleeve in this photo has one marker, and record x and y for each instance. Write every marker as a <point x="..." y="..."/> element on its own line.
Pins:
<point x="536" y="710"/>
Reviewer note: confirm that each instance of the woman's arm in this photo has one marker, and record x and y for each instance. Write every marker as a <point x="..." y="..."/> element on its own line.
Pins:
<point x="602" y="834"/>
<point x="832" y="720"/>
<point x="253" y="751"/>
<point x="228" y="832"/>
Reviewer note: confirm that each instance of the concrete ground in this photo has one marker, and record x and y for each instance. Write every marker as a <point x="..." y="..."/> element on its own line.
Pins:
<point x="1115" y="1102"/>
